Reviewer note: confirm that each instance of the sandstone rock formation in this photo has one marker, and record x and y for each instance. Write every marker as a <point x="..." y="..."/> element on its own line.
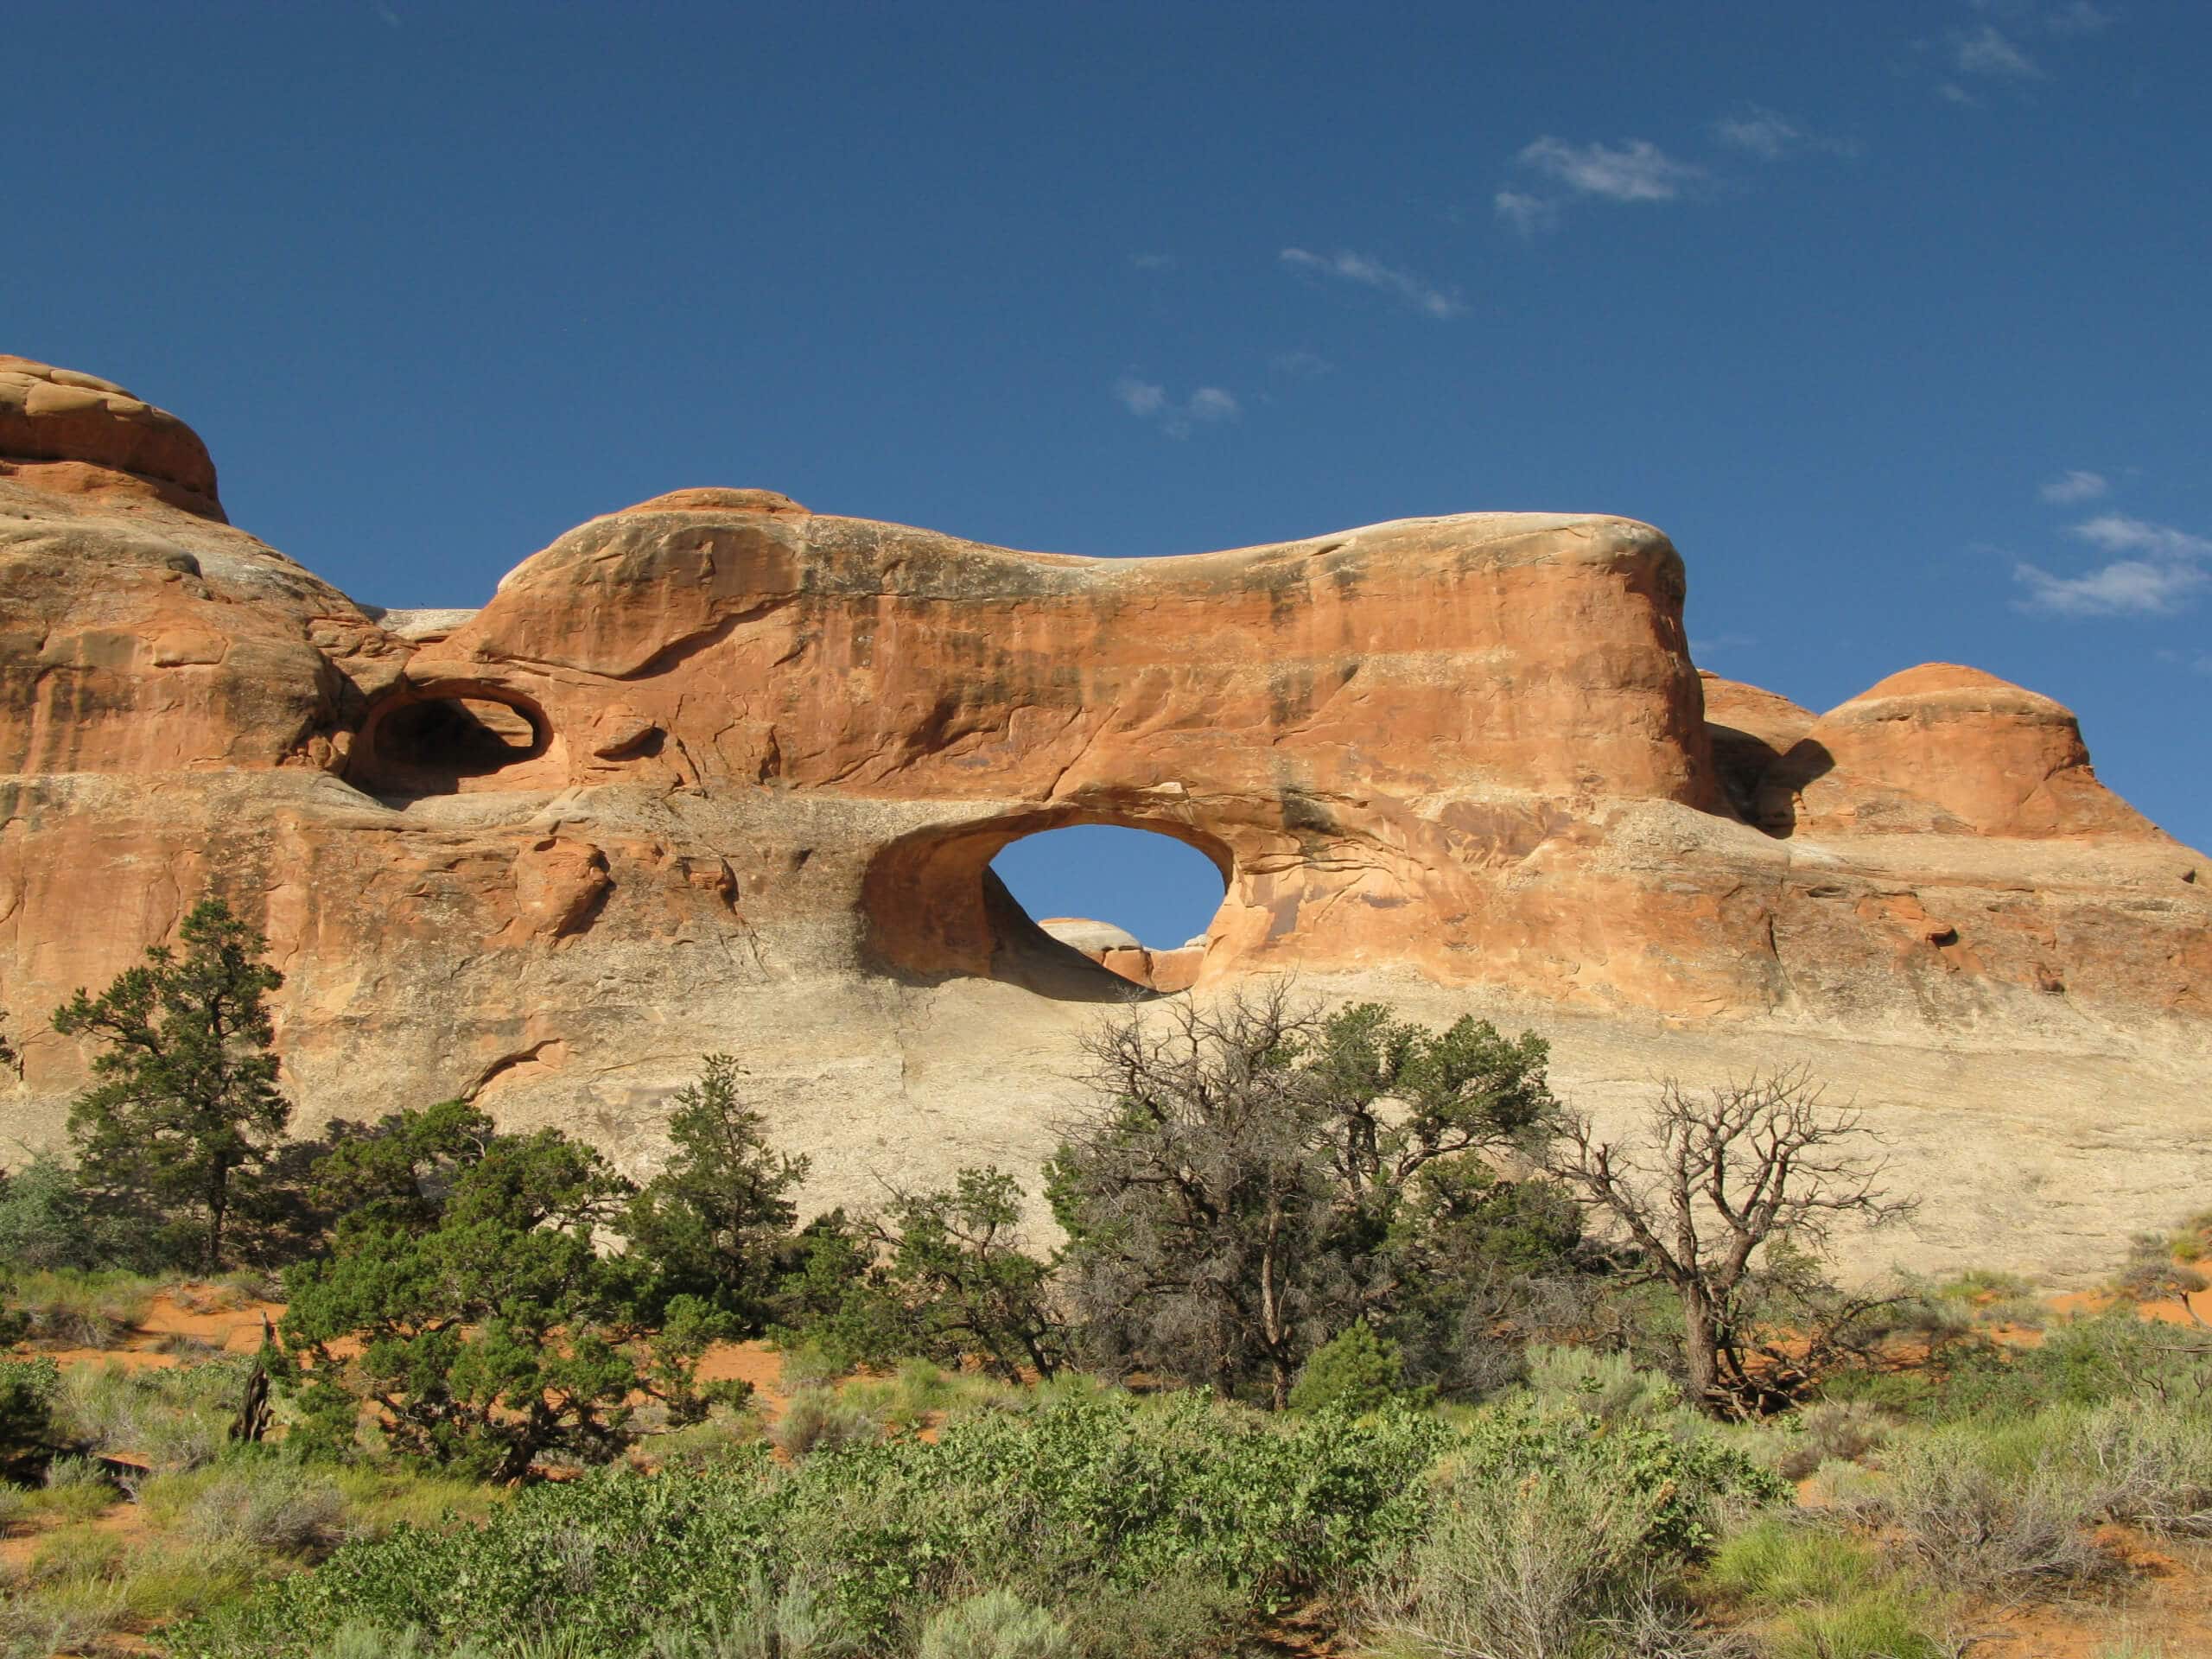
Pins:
<point x="717" y="772"/>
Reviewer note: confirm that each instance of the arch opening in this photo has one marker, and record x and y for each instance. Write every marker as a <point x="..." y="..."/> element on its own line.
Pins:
<point x="941" y="903"/>
<point x="1134" y="902"/>
<point x="442" y="741"/>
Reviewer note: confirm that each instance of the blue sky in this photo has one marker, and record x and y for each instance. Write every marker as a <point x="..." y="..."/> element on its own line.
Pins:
<point x="1893" y="316"/>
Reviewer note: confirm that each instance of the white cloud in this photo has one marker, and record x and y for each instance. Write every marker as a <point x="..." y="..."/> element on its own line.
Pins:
<point x="2117" y="533"/>
<point x="1154" y="261"/>
<point x="1346" y="266"/>
<point x="1636" y="171"/>
<point x="1178" y="418"/>
<point x="1141" y="397"/>
<point x="1212" y="403"/>
<point x="2160" y="571"/>
<point x="2069" y="488"/>
<point x="1762" y="131"/>
<point x="1989" y="52"/>
<point x="1527" y="214"/>
<point x="2126" y="588"/>
<point x="1300" y="364"/>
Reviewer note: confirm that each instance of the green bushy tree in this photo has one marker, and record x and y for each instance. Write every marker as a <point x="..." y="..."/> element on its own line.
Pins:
<point x="1249" y="1177"/>
<point x="184" y="1113"/>
<point x="1356" y="1370"/>
<point x="938" y="1275"/>
<point x="715" y="1222"/>
<point x="467" y="1302"/>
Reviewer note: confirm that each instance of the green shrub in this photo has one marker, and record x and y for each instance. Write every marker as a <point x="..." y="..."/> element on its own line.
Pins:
<point x="1776" y="1562"/>
<point x="63" y="1618"/>
<point x="2116" y="1354"/>
<point x="173" y="1417"/>
<point x="69" y="1308"/>
<point x="258" y="1501"/>
<point x="799" y="1621"/>
<point x="925" y="1386"/>
<point x="1171" y="1617"/>
<point x="813" y="1364"/>
<point x="76" y="1489"/>
<point x="997" y="1624"/>
<point x="1523" y="1566"/>
<point x="359" y="1640"/>
<point x="1606" y="1385"/>
<point x="1887" y="1622"/>
<point x="1550" y="1527"/>
<point x="817" y="1421"/>
<point x="2001" y="1515"/>
<point x="1356" y="1370"/>
<point x="1834" y="1431"/>
<point x="49" y="1221"/>
<point x="28" y="1390"/>
<point x="1089" y="1500"/>
<point x="1822" y="1593"/>
<point x="2150" y="1465"/>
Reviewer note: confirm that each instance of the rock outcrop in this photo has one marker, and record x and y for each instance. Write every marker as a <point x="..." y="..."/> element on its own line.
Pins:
<point x="714" y="772"/>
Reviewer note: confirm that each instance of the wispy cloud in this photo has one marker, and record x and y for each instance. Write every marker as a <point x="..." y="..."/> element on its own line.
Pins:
<point x="1528" y="215"/>
<point x="2115" y="533"/>
<point x="1154" y="261"/>
<point x="1365" y="272"/>
<point x="1761" y="131"/>
<point x="1720" y="644"/>
<point x="1142" y="399"/>
<point x="2011" y="47"/>
<point x="2160" y="570"/>
<point x="1177" y="417"/>
<point x="2126" y="587"/>
<point x="1636" y="171"/>
<point x="1300" y="364"/>
<point x="2071" y="487"/>
<point x="1989" y="52"/>
<point x="1755" y="130"/>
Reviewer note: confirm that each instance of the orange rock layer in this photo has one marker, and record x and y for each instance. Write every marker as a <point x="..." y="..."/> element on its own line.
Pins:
<point x="716" y="742"/>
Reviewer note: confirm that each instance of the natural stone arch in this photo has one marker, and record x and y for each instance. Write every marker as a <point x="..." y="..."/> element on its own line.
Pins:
<point x="935" y="909"/>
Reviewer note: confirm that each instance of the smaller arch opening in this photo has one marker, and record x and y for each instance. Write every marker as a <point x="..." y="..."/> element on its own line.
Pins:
<point x="441" y="741"/>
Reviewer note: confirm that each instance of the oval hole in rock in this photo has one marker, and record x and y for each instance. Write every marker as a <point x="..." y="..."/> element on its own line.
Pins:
<point x="1134" y="902"/>
<point x="430" y="745"/>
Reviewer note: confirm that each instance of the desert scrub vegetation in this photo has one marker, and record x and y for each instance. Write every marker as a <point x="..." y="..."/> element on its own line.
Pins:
<point x="210" y="1537"/>
<point x="164" y="1417"/>
<point x="1128" y="1525"/>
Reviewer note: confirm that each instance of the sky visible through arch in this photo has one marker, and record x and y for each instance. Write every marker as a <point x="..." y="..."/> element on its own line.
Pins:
<point x="1893" y="316"/>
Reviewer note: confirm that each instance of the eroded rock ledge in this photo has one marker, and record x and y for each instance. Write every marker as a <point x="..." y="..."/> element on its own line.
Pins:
<point x="717" y="759"/>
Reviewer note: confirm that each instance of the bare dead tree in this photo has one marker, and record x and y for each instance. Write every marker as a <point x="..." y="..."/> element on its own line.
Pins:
<point x="1716" y="1176"/>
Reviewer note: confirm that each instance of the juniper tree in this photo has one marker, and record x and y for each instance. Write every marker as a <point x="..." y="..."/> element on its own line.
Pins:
<point x="714" y="1221"/>
<point x="1249" y="1177"/>
<point x="184" y="1109"/>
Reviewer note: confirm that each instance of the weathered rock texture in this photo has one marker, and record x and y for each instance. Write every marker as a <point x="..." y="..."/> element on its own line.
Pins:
<point x="717" y="772"/>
